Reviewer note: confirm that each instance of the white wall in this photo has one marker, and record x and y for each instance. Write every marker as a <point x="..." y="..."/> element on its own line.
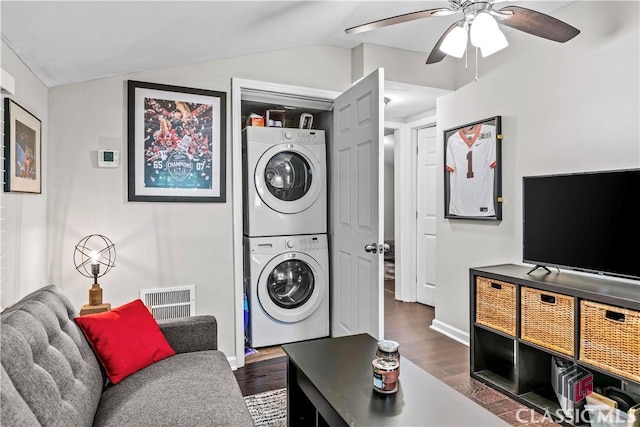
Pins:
<point x="565" y="108"/>
<point x="23" y="262"/>
<point x="403" y="66"/>
<point x="158" y="244"/>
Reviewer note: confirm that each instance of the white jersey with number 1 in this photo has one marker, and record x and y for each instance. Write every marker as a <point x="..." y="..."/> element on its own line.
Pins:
<point x="471" y="164"/>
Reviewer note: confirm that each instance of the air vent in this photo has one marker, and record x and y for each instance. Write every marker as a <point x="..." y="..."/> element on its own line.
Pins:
<point x="170" y="303"/>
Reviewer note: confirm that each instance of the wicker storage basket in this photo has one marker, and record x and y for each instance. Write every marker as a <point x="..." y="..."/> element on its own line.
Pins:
<point x="610" y="339"/>
<point x="496" y="305"/>
<point x="547" y="319"/>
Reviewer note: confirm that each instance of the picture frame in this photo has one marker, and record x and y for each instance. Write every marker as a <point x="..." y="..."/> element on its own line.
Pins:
<point x="176" y="148"/>
<point x="473" y="170"/>
<point x="22" y="149"/>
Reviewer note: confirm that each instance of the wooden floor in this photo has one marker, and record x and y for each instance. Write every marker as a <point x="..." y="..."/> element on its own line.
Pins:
<point x="407" y="323"/>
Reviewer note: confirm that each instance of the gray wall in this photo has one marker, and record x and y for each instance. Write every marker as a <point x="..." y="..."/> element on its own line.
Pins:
<point x="565" y="108"/>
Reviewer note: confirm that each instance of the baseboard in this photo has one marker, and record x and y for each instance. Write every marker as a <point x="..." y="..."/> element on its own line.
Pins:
<point x="448" y="330"/>
<point x="426" y="294"/>
<point x="233" y="362"/>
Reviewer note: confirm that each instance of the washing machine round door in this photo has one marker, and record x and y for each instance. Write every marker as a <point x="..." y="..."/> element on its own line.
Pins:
<point x="288" y="178"/>
<point x="291" y="287"/>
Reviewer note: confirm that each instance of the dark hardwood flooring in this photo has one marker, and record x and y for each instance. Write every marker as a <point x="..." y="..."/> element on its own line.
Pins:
<point x="441" y="356"/>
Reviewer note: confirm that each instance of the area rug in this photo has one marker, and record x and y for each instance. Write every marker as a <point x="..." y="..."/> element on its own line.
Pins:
<point x="268" y="409"/>
<point x="389" y="270"/>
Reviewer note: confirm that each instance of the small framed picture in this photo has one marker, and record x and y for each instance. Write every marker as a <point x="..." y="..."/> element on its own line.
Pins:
<point x="473" y="170"/>
<point x="22" y="149"/>
<point x="176" y="147"/>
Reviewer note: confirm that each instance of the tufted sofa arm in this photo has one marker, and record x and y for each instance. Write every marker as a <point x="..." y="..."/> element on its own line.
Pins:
<point x="50" y="375"/>
<point x="197" y="333"/>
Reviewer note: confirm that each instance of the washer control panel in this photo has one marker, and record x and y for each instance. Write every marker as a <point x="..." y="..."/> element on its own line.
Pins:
<point x="306" y="243"/>
<point x="282" y="244"/>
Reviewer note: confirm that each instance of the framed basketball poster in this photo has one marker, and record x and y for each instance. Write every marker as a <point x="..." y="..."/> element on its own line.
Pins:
<point x="22" y="150"/>
<point x="176" y="143"/>
<point x="473" y="170"/>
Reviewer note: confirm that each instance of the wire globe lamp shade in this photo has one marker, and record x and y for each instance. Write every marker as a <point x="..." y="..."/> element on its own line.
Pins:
<point x="94" y="256"/>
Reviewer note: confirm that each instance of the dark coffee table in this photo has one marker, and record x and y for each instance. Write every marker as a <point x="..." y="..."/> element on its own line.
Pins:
<point x="330" y="383"/>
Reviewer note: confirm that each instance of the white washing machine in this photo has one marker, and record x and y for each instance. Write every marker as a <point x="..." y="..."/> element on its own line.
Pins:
<point x="288" y="288"/>
<point x="284" y="181"/>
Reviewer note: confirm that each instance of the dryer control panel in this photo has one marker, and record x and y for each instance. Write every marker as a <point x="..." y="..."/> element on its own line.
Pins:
<point x="303" y="136"/>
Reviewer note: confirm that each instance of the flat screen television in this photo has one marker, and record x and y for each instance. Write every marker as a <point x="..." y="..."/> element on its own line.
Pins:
<point x="583" y="221"/>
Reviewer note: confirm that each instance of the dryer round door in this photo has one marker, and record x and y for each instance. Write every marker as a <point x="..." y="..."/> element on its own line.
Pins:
<point x="291" y="287"/>
<point x="288" y="178"/>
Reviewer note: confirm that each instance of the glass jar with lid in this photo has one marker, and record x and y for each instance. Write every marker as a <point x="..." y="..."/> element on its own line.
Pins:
<point x="389" y="350"/>
<point x="385" y="375"/>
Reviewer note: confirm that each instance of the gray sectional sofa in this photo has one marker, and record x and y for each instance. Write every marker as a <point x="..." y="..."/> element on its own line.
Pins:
<point x="51" y="376"/>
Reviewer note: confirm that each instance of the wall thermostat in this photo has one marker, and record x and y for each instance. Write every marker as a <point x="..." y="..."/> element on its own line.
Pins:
<point x="108" y="158"/>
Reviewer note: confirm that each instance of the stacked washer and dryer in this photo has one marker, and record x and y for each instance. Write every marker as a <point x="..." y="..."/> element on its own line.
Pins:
<point x="286" y="255"/>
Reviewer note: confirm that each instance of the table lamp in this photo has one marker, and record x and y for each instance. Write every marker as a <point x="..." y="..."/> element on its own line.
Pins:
<point x="90" y="253"/>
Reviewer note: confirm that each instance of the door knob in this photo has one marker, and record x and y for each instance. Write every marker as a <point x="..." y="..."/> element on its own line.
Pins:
<point x="384" y="248"/>
<point x="371" y="247"/>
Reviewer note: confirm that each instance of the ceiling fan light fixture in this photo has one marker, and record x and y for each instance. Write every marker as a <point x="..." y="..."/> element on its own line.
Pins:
<point x="479" y="26"/>
<point x="498" y="42"/>
<point x="455" y="43"/>
<point x="486" y="34"/>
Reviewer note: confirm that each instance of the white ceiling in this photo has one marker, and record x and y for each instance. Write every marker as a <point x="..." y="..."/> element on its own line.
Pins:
<point x="66" y="42"/>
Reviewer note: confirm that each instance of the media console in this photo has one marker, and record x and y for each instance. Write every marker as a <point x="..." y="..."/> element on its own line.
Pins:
<point x="521" y="321"/>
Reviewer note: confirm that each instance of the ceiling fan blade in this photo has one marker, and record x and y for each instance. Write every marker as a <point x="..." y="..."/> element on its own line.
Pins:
<point x="412" y="16"/>
<point x="436" y="54"/>
<point x="538" y="24"/>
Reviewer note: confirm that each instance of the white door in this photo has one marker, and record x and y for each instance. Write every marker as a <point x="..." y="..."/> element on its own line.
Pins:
<point x="426" y="205"/>
<point x="357" y="155"/>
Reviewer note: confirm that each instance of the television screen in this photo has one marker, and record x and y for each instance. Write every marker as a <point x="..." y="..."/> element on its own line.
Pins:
<point x="583" y="221"/>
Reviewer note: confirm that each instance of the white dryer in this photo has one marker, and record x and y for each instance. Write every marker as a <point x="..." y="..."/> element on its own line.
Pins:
<point x="288" y="288"/>
<point x="285" y="184"/>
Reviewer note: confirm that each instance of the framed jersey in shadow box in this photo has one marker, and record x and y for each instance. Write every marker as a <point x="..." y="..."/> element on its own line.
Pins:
<point x="473" y="170"/>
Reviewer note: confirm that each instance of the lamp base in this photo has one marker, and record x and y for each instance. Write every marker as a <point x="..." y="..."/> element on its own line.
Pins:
<point x="92" y="309"/>
<point x="95" y="294"/>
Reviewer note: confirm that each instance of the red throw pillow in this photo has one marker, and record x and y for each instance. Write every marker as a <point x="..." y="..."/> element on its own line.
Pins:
<point x="126" y="339"/>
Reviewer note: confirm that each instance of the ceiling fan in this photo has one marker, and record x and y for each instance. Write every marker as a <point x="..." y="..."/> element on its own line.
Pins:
<point x="480" y="24"/>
